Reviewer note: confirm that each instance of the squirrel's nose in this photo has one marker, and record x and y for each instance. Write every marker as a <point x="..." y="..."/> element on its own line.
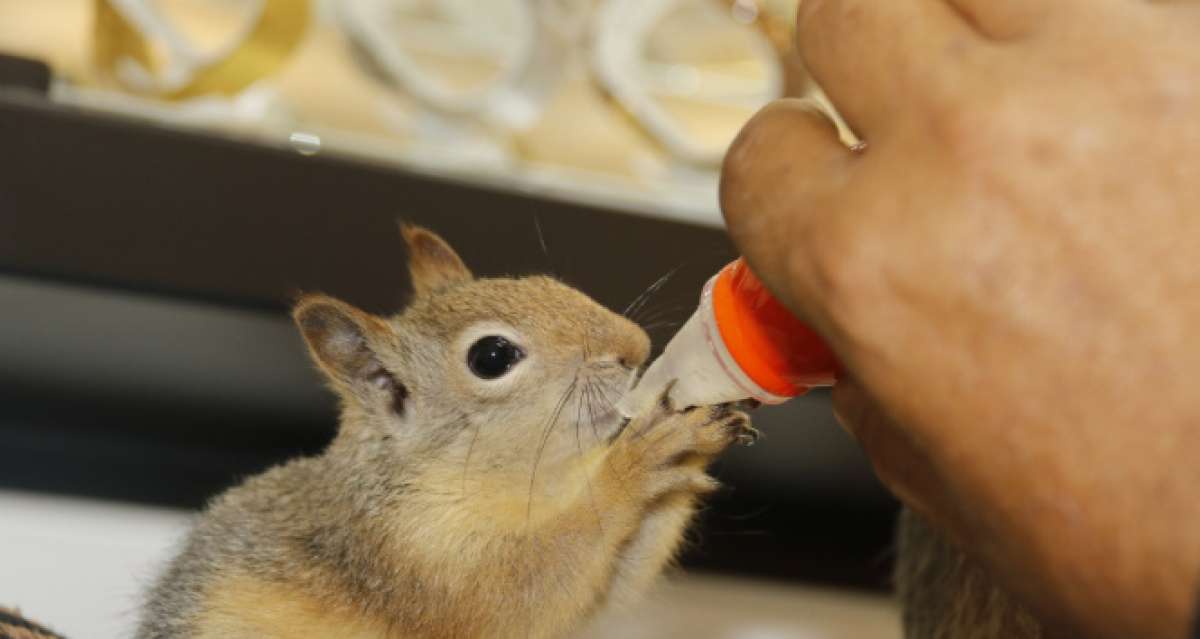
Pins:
<point x="633" y="347"/>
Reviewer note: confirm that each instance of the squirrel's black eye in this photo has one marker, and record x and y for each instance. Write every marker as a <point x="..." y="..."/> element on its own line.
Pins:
<point x="493" y="356"/>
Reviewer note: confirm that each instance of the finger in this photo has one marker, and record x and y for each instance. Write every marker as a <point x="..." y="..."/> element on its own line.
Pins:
<point x="1016" y="19"/>
<point x="780" y="178"/>
<point x="1000" y="21"/>
<point x="899" y="461"/>
<point x="872" y="56"/>
<point x="1187" y="10"/>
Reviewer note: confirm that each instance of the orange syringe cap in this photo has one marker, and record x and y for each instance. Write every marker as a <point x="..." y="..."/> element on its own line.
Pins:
<point x="775" y="351"/>
<point x="740" y="343"/>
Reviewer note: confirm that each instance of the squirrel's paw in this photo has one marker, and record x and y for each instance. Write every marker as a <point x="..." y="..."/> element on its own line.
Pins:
<point x="675" y="447"/>
<point x="705" y="430"/>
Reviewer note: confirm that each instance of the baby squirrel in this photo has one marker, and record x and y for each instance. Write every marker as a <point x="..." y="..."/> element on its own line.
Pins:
<point x="480" y="484"/>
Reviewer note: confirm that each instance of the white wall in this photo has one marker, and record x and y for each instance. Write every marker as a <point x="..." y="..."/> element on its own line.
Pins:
<point x="79" y="566"/>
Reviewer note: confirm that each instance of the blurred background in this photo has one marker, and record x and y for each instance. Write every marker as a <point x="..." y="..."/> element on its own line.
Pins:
<point x="174" y="172"/>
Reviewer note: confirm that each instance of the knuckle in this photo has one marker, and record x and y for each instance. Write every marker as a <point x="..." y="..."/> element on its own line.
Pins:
<point x="977" y="130"/>
<point x="741" y="169"/>
<point x="958" y="125"/>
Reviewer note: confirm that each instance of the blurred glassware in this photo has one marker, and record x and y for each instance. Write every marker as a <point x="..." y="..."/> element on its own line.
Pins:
<point x="777" y="20"/>
<point x="623" y="103"/>
<point x="222" y="47"/>
<point x="455" y="55"/>
<point x="686" y="70"/>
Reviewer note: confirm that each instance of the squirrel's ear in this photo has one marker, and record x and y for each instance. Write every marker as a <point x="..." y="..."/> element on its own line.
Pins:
<point x="339" y="338"/>
<point x="432" y="263"/>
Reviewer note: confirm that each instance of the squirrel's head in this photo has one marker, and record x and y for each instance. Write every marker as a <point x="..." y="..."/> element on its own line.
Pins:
<point x="492" y="378"/>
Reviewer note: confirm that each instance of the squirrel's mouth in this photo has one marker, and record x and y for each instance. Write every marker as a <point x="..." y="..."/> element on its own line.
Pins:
<point x="601" y="420"/>
<point x="601" y="387"/>
<point x="605" y="418"/>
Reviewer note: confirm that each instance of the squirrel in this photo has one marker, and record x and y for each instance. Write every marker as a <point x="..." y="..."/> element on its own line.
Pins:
<point x="480" y="484"/>
<point x="945" y="595"/>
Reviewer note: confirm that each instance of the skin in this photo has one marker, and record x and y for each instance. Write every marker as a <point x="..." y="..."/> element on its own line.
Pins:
<point x="1009" y="275"/>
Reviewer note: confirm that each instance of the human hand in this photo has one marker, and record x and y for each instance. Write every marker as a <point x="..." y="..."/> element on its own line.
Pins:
<point x="1010" y="275"/>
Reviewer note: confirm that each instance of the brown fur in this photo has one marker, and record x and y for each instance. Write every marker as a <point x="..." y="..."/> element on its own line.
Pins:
<point x="946" y="595"/>
<point x="448" y="506"/>
<point x="14" y="626"/>
<point x="242" y="605"/>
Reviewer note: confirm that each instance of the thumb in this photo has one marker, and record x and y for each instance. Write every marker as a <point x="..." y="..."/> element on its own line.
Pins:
<point x="781" y="178"/>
